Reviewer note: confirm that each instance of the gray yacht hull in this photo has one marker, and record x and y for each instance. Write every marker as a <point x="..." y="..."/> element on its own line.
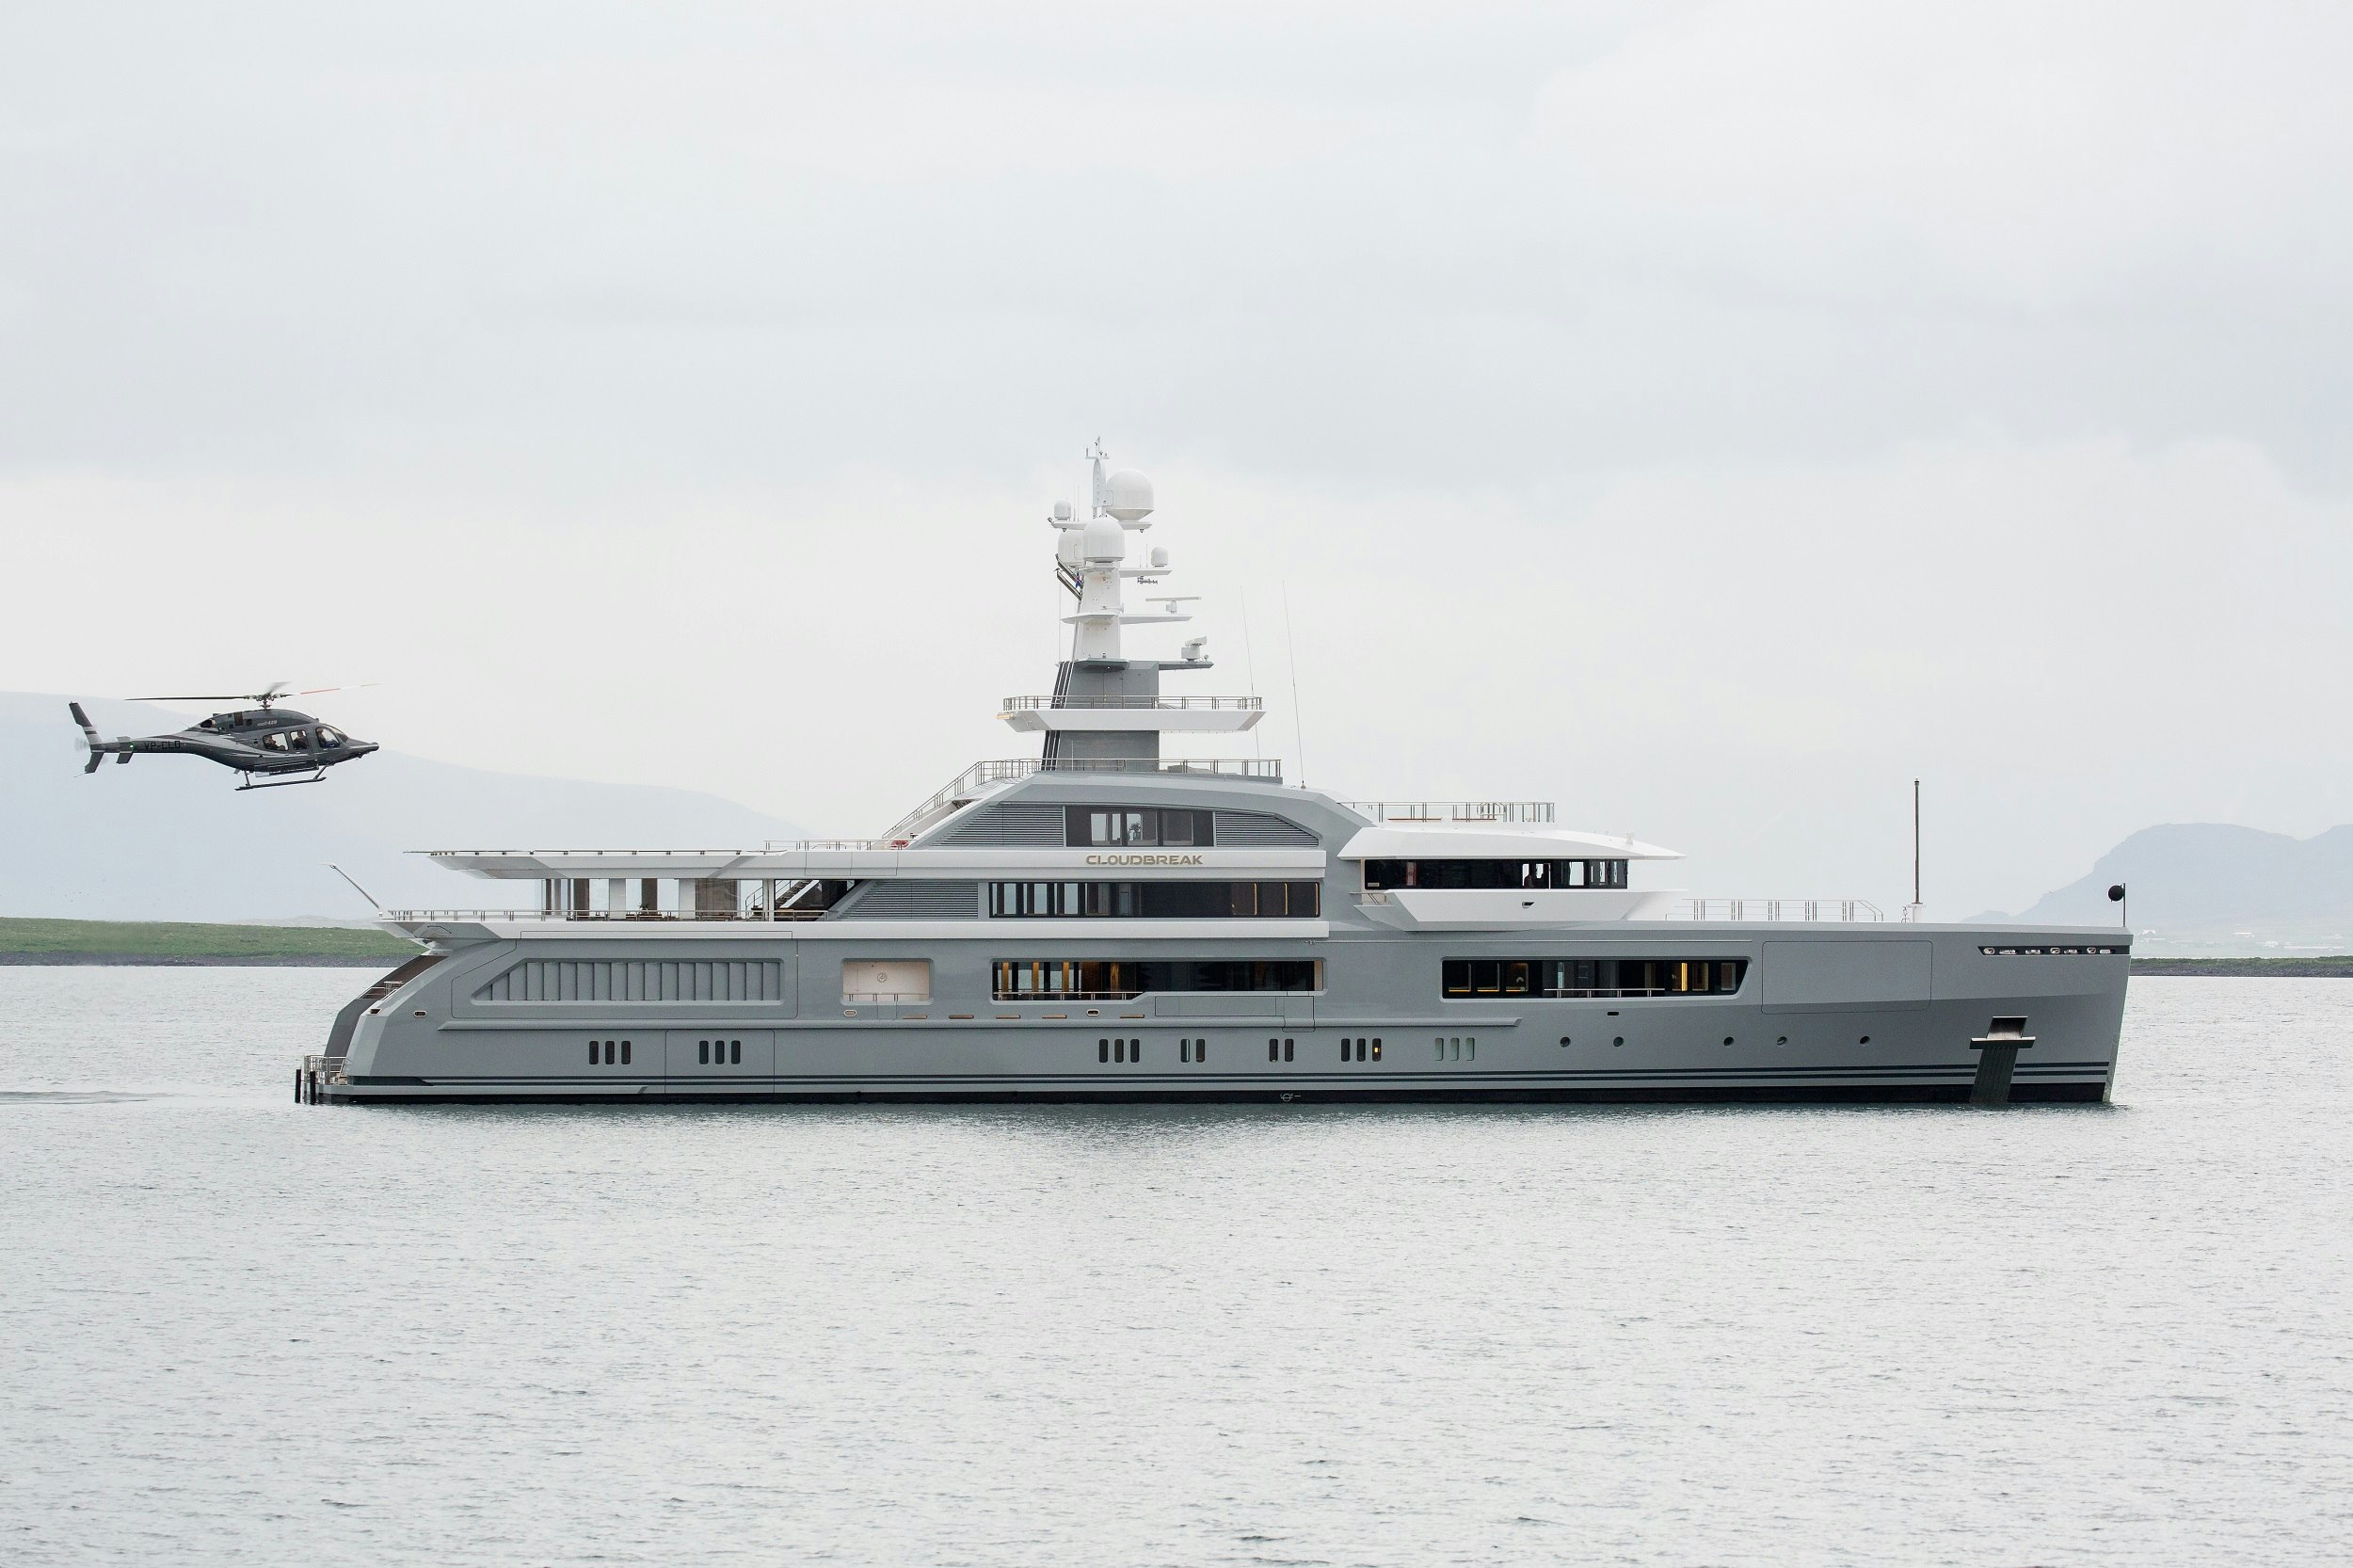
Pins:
<point x="1823" y="1014"/>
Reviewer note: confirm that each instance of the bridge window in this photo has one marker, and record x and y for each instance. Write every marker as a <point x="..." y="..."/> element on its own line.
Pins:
<point x="1163" y="901"/>
<point x="1124" y="978"/>
<point x="1383" y="875"/>
<point x="1474" y="979"/>
<point x="1092" y="827"/>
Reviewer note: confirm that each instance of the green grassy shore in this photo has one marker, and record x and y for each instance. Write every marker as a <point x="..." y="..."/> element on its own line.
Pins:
<point x="2333" y="968"/>
<point x="28" y="941"/>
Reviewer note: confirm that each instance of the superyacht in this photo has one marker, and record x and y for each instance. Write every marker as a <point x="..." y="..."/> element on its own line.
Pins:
<point x="1107" y="919"/>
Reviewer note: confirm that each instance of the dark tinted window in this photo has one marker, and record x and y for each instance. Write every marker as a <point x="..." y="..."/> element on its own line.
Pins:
<point x="1119" y="979"/>
<point x="1474" y="977"/>
<point x="1094" y="826"/>
<point x="1383" y="875"/>
<point x="1157" y="900"/>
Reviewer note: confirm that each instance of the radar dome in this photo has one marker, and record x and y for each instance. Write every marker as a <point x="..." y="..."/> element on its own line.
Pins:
<point x="1128" y="496"/>
<point x="1103" y="541"/>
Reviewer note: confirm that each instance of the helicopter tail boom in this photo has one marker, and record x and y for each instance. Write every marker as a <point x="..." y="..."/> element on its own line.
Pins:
<point x="98" y="748"/>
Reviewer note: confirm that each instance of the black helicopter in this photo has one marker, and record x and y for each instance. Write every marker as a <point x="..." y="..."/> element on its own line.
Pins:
<point x="267" y="739"/>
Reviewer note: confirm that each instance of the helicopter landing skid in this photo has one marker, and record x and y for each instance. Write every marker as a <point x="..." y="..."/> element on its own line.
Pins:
<point x="278" y="783"/>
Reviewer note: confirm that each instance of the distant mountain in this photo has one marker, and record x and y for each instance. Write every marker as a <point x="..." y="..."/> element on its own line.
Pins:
<point x="169" y="838"/>
<point x="2215" y="886"/>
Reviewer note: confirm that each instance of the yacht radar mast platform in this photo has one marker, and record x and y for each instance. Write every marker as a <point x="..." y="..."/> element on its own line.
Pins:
<point x="1106" y="706"/>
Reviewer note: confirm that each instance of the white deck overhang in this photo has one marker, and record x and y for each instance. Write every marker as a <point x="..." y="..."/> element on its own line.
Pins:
<point x="1444" y="841"/>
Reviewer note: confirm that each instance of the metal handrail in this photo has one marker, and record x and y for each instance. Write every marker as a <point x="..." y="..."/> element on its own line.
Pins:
<point x="621" y="917"/>
<point x="1453" y="810"/>
<point x="1157" y="704"/>
<point x="1848" y="911"/>
<point x="966" y="785"/>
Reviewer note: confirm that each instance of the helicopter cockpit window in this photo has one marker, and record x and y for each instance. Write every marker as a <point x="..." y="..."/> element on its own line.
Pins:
<point x="330" y="737"/>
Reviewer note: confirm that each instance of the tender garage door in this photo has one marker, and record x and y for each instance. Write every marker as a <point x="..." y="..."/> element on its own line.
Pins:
<point x="1844" y="976"/>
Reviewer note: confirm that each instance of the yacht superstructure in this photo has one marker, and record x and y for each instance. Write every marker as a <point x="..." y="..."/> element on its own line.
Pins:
<point x="1106" y="919"/>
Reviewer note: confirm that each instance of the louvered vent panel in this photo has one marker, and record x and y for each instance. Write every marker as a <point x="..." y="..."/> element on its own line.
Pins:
<point x="913" y="900"/>
<point x="1258" y="830"/>
<point x="1014" y="824"/>
<point x="634" y="980"/>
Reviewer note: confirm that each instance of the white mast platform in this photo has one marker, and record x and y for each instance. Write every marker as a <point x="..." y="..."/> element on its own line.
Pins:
<point x="1106" y="705"/>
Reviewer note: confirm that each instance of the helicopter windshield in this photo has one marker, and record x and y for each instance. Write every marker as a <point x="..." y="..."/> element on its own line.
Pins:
<point x="330" y="737"/>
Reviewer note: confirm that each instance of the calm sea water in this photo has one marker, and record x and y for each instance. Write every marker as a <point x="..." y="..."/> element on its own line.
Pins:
<point x="237" y="1330"/>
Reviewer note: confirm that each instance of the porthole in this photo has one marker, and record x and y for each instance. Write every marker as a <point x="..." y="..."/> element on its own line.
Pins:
<point x="625" y="1054"/>
<point x="1864" y="1041"/>
<point x="1565" y="1039"/>
<point x="1273" y="1050"/>
<point x="1286" y="1050"/>
<point x="1728" y="1039"/>
<point x="1619" y="1041"/>
<point x="703" y="1053"/>
<point x="1376" y="1048"/>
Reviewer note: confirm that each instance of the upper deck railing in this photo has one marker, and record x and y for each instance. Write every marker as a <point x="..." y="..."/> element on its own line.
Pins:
<point x="1840" y="910"/>
<point x="769" y="846"/>
<point x="1527" y="811"/>
<point x="618" y="917"/>
<point x="982" y="776"/>
<point x="1141" y="704"/>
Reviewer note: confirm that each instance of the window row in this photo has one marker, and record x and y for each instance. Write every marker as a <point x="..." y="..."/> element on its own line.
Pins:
<point x="602" y="1051"/>
<point x="1382" y="874"/>
<point x="1593" y="977"/>
<point x="719" y="1053"/>
<point x="1119" y="1050"/>
<point x="1161" y="901"/>
<point x="1280" y="1050"/>
<point x="1456" y="1048"/>
<point x="1089" y="826"/>
<point x="1124" y="978"/>
<point x="1352" y="1048"/>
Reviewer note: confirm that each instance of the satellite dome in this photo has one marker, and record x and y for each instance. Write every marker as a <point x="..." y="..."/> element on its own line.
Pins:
<point x="1105" y="541"/>
<point x="1128" y="496"/>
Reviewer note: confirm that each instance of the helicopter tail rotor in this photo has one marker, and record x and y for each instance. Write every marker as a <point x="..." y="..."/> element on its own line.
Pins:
<point x="90" y="738"/>
<point x="98" y="748"/>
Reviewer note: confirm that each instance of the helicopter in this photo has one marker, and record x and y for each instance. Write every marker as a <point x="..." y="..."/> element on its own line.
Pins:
<point x="264" y="739"/>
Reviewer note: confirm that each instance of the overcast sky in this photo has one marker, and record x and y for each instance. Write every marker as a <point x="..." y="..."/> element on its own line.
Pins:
<point x="1708" y="416"/>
